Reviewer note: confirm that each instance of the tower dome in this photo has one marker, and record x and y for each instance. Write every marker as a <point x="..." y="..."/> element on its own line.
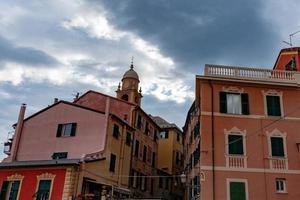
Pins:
<point x="131" y="74"/>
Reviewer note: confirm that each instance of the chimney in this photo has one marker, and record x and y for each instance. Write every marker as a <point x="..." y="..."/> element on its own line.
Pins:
<point x="18" y="133"/>
<point x="55" y="100"/>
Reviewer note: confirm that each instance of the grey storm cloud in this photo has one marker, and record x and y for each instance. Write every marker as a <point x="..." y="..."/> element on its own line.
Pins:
<point x="24" y="55"/>
<point x="199" y="32"/>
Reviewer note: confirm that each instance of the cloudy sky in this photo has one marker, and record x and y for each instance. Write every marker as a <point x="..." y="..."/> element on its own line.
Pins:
<point x="56" y="48"/>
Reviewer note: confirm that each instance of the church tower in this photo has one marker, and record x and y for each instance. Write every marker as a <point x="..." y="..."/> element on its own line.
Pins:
<point x="129" y="91"/>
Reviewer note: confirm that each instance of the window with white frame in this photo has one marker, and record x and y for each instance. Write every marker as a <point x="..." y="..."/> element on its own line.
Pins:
<point x="10" y="190"/>
<point x="234" y="103"/>
<point x="235" y="144"/>
<point x="273" y="105"/>
<point x="277" y="147"/>
<point x="281" y="185"/>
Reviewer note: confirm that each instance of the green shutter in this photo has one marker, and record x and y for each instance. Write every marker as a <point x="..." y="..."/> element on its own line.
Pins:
<point x="237" y="191"/>
<point x="277" y="146"/>
<point x="223" y="102"/>
<point x="4" y="189"/>
<point x="235" y="143"/>
<point x="273" y="105"/>
<point x="245" y="104"/>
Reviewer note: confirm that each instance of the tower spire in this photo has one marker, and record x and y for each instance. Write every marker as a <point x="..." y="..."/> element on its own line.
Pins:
<point x="131" y="66"/>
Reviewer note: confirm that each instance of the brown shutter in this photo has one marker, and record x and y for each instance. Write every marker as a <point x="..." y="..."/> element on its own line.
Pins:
<point x="74" y="125"/>
<point x="59" y="129"/>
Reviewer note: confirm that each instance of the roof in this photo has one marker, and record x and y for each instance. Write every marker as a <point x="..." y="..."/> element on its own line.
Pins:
<point x="78" y="106"/>
<point x="162" y="123"/>
<point x="99" y="93"/>
<point x="39" y="163"/>
<point x="131" y="74"/>
<point x="291" y="49"/>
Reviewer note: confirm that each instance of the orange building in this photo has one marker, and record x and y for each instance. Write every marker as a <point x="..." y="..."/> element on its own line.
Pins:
<point x="241" y="133"/>
<point x="170" y="160"/>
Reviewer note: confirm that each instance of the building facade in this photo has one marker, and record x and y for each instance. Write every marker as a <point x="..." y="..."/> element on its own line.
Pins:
<point x="248" y="121"/>
<point x="170" y="160"/>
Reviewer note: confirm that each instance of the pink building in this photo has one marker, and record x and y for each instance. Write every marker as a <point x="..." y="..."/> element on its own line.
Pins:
<point x="241" y="133"/>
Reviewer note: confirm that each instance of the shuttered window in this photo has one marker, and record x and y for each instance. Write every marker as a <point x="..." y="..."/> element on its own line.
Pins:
<point x="10" y="190"/>
<point x="237" y="191"/>
<point x="116" y="131"/>
<point x="234" y="103"/>
<point x="277" y="146"/>
<point x="273" y="106"/>
<point x="136" y="148"/>
<point x="235" y="145"/>
<point x="112" y="164"/>
<point x="66" y="130"/>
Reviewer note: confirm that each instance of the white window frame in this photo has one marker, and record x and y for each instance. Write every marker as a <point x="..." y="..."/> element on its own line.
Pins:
<point x="273" y="93"/>
<point x="229" y="180"/>
<point x="279" y="134"/>
<point x="12" y="178"/>
<point x="283" y="180"/>
<point x="235" y="131"/>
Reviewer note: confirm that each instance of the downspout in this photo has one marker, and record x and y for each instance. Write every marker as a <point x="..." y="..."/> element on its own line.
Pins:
<point x="213" y="140"/>
<point x="18" y="132"/>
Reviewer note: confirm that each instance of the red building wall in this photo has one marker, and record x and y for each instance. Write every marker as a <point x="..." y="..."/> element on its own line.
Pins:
<point x="29" y="183"/>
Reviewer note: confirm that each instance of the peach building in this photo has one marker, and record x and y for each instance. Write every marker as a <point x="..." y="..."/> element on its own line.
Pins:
<point x="241" y="133"/>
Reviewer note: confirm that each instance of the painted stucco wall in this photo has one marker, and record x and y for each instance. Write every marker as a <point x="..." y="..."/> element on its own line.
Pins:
<point x="256" y="125"/>
<point x="29" y="183"/>
<point x="39" y="141"/>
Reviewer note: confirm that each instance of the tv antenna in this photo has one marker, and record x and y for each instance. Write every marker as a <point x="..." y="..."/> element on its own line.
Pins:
<point x="291" y="36"/>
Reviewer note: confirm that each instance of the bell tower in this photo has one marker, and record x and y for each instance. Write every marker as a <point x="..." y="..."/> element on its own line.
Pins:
<point x="129" y="90"/>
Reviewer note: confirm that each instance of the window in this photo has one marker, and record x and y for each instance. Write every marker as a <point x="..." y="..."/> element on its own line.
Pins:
<point x="178" y="138"/>
<point x="153" y="159"/>
<point x="43" y="192"/>
<point x="237" y="191"/>
<point x="196" y="130"/>
<point x="66" y="130"/>
<point x="136" y="149"/>
<point x="277" y="146"/>
<point x="147" y="128"/>
<point x="143" y="182"/>
<point x="116" y="131"/>
<point x="145" y="154"/>
<point x="112" y="164"/>
<point x="134" y="179"/>
<point x="139" y="122"/>
<point x="280" y="185"/>
<point x="291" y="66"/>
<point x="10" y="190"/>
<point x="155" y="135"/>
<point x="234" y="103"/>
<point x="160" y="182"/>
<point x="128" y="138"/>
<point x="59" y="155"/>
<point x="273" y="105"/>
<point x="235" y="144"/>
<point x="164" y="134"/>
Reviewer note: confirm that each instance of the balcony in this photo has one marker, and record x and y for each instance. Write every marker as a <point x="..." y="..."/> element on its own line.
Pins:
<point x="236" y="161"/>
<point x="278" y="163"/>
<point x="246" y="73"/>
<point x="7" y="146"/>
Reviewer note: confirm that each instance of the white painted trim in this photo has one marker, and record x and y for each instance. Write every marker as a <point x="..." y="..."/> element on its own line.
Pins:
<point x="250" y="170"/>
<point x="235" y="131"/>
<point x="273" y="93"/>
<point x="233" y="89"/>
<point x="229" y="180"/>
<point x="279" y="134"/>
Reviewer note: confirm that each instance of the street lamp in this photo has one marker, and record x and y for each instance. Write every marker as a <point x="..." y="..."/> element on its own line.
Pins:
<point x="183" y="177"/>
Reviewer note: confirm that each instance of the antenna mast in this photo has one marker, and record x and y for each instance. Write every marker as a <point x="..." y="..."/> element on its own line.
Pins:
<point x="291" y="36"/>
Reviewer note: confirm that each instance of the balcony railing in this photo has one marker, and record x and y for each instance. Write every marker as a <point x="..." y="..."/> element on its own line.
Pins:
<point x="278" y="163"/>
<point x="236" y="161"/>
<point x="251" y="73"/>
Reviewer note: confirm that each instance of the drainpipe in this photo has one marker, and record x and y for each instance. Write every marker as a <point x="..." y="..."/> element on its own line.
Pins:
<point x="18" y="133"/>
<point x="213" y="140"/>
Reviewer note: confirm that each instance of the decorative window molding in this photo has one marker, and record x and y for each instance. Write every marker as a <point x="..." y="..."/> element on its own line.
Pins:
<point x="235" y="161"/>
<point x="45" y="176"/>
<point x="15" y="177"/>
<point x="233" y="89"/>
<point x="230" y="180"/>
<point x="278" y="163"/>
<point x="272" y="93"/>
